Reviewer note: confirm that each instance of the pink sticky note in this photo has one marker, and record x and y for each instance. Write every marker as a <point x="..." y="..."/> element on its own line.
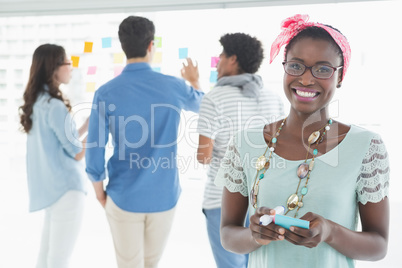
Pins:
<point x="214" y="61"/>
<point x="91" y="70"/>
<point x="118" y="70"/>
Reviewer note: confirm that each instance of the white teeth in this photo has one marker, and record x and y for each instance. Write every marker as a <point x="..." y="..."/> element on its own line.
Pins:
<point x="305" y="94"/>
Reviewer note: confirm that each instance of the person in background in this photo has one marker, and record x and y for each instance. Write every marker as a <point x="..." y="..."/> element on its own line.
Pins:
<point x="56" y="181"/>
<point x="237" y="101"/>
<point x="141" y="110"/>
<point x="320" y="170"/>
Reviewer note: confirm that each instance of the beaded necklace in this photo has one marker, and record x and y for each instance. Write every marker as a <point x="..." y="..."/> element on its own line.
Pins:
<point x="303" y="170"/>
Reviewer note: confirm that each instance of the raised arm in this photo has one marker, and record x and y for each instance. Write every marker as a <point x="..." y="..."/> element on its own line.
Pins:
<point x="190" y="73"/>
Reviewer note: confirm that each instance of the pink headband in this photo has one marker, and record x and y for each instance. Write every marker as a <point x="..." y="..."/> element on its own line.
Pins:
<point x="294" y="25"/>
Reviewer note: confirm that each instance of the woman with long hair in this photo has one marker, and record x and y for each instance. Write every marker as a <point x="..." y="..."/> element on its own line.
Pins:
<point x="55" y="176"/>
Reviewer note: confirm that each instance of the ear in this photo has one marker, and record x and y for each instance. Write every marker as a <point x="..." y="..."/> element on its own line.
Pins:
<point x="233" y="59"/>
<point x="339" y="80"/>
<point x="150" y="46"/>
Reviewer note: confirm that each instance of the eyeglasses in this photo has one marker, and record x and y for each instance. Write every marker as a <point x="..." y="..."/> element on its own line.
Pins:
<point x="320" y="71"/>
<point x="65" y="63"/>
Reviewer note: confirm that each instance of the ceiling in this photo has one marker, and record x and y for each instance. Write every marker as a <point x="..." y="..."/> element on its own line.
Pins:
<point x="59" y="7"/>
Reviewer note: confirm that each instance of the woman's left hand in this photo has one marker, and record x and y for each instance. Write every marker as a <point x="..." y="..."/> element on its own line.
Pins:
<point x="319" y="231"/>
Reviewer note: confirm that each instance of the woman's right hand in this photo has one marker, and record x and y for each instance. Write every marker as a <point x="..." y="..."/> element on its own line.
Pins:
<point x="264" y="235"/>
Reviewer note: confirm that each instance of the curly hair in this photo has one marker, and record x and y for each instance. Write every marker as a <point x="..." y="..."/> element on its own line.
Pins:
<point x="135" y="34"/>
<point x="248" y="50"/>
<point x="46" y="59"/>
<point x="316" y="33"/>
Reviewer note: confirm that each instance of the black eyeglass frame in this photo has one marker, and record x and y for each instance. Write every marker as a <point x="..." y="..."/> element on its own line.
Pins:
<point x="311" y="69"/>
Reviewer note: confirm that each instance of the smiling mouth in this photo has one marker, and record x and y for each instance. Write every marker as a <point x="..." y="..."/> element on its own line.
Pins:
<point x="306" y="94"/>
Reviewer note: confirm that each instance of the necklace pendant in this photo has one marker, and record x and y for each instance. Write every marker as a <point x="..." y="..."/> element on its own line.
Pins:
<point x="253" y="196"/>
<point x="261" y="161"/>
<point x="292" y="202"/>
<point x="313" y="137"/>
<point x="266" y="166"/>
<point x="302" y="170"/>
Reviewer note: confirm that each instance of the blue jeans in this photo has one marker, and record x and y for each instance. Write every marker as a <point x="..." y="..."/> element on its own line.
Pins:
<point x="223" y="258"/>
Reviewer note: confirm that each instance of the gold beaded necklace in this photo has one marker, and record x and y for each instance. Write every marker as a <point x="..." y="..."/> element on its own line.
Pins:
<point x="264" y="163"/>
<point x="303" y="170"/>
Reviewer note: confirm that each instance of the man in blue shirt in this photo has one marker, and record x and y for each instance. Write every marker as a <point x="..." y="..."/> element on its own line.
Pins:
<point x="141" y="110"/>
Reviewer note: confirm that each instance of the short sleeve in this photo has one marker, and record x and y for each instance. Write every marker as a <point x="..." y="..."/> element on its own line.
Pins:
<point x="207" y="121"/>
<point x="230" y="173"/>
<point x="373" y="180"/>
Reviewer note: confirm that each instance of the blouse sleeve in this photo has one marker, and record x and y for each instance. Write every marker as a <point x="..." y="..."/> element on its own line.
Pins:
<point x="63" y="125"/>
<point x="373" y="180"/>
<point x="230" y="173"/>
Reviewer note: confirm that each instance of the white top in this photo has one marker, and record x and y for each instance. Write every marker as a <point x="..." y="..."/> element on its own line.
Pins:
<point x="223" y="112"/>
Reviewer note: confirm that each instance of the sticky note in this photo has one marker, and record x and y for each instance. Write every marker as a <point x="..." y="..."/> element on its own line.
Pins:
<point x="118" y="57"/>
<point x="88" y="47"/>
<point x="213" y="77"/>
<point x="106" y="42"/>
<point x="90" y="87"/>
<point x="118" y="70"/>
<point x="214" y="61"/>
<point x="75" y="61"/>
<point x="158" y="42"/>
<point x="157" y="58"/>
<point x="156" y="69"/>
<point x="183" y="53"/>
<point x="91" y="70"/>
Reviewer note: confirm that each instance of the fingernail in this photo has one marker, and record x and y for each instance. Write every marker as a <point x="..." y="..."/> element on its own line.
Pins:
<point x="292" y="229"/>
<point x="281" y="230"/>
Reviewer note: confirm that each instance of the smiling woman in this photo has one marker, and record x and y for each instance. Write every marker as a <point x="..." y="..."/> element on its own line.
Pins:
<point x="308" y="137"/>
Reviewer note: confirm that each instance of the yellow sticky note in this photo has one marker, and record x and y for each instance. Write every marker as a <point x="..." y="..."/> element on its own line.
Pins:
<point x="75" y="60"/>
<point x="118" y="57"/>
<point x="88" y="47"/>
<point x="157" y="57"/>
<point x="90" y="87"/>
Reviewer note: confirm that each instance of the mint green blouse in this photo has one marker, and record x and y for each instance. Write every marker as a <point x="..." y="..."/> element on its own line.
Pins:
<point x="357" y="170"/>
